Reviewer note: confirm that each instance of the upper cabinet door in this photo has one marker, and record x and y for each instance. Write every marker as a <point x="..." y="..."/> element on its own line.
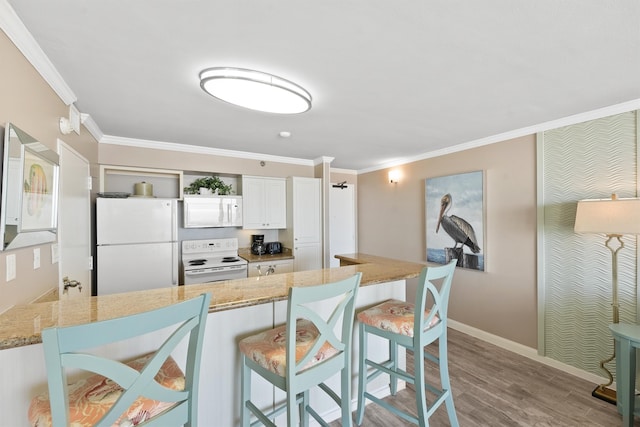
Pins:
<point x="307" y="209"/>
<point x="275" y="190"/>
<point x="265" y="202"/>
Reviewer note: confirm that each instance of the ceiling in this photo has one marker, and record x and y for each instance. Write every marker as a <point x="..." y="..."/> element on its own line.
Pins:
<point x="390" y="80"/>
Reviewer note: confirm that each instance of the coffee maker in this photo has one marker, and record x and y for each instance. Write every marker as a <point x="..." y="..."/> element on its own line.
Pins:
<point x="257" y="244"/>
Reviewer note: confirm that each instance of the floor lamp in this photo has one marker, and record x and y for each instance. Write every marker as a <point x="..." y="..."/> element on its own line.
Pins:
<point x="613" y="217"/>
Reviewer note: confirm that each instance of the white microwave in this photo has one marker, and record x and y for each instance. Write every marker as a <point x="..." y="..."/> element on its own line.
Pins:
<point x="212" y="211"/>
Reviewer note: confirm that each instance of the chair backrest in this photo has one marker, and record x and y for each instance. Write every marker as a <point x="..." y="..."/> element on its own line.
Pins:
<point x="428" y="293"/>
<point x="63" y="350"/>
<point x="339" y="338"/>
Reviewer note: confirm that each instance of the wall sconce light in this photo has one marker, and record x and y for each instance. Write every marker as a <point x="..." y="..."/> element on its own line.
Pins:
<point x="71" y="124"/>
<point x="394" y="176"/>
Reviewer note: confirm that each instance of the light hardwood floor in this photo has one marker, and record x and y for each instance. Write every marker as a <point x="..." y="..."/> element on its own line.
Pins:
<point x="495" y="387"/>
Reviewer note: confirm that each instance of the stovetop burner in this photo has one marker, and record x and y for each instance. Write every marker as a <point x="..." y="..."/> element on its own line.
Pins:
<point x="213" y="255"/>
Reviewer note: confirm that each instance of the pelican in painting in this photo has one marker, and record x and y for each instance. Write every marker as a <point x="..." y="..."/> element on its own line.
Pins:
<point x="457" y="228"/>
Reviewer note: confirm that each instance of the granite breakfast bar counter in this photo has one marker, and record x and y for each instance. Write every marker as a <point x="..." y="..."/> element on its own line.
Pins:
<point x="238" y="308"/>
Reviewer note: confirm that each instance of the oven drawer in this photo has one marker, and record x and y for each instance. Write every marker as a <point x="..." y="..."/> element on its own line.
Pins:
<point x="192" y="277"/>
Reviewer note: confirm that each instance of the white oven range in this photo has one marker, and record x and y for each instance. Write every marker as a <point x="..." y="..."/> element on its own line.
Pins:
<point x="211" y="260"/>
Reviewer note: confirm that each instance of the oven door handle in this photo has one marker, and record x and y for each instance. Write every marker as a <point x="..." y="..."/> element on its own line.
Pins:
<point x="198" y="272"/>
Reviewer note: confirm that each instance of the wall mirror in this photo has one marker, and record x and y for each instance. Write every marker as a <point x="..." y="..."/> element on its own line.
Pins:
<point x="29" y="208"/>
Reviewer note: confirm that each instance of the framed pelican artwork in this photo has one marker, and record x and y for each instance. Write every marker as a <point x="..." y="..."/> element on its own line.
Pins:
<point x="454" y="214"/>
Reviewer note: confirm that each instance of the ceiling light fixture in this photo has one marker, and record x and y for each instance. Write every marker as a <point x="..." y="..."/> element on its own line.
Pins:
<point x="255" y="90"/>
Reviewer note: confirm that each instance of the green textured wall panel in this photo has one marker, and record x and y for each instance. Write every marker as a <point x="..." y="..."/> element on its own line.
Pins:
<point x="588" y="160"/>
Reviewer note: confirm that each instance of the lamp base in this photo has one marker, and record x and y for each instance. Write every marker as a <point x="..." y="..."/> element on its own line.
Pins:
<point x="605" y="393"/>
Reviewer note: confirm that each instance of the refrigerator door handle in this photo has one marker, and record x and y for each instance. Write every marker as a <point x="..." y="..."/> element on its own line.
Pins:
<point x="174" y="220"/>
<point x="174" y="263"/>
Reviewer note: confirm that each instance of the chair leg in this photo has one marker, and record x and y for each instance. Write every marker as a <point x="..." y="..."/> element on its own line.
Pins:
<point x="445" y="382"/>
<point x="362" y="372"/>
<point x="303" y="409"/>
<point x="245" y="379"/>
<point x="393" y="357"/>
<point x="345" y="396"/>
<point x="293" y="415"/>
<point x="419" y="384"/>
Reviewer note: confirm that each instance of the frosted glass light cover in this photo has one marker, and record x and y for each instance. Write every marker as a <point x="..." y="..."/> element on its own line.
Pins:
<point x="255" y="90"/>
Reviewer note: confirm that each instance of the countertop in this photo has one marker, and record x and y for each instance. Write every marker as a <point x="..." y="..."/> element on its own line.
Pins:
<point x="246" y="254"/>
<point x="21" y="325"/>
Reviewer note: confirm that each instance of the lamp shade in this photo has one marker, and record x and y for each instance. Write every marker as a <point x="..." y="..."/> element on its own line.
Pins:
<point x="608" y="216"/>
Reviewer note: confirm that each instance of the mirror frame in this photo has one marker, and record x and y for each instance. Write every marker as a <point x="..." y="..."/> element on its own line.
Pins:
<point x="29" y="206"/>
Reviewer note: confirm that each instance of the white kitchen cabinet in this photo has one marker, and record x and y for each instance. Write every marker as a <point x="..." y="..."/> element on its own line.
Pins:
<point x="304" y="223"/>
<point x="267" y="267"/>
<point x="308" y="256"/>
<point x="265" y="202"/>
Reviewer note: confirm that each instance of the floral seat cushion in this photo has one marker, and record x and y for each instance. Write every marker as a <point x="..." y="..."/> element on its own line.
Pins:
<point x="268" y="349"/>
<point x="393" y="316"/>
<point x="90" y="398"/>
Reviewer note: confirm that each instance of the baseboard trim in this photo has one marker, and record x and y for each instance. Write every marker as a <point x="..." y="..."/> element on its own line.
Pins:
<point x="525" y="351"/>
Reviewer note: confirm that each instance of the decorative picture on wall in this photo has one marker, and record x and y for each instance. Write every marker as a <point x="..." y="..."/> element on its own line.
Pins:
<point x="39" y="191"/>
<point x="454" y="214"/>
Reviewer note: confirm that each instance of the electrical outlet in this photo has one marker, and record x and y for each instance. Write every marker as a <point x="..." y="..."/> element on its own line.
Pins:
<point x="36" y="258"/>
<point x="11" y="267"/>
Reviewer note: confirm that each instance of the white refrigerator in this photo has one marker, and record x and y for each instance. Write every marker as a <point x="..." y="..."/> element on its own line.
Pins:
<point x="137" y="244"/>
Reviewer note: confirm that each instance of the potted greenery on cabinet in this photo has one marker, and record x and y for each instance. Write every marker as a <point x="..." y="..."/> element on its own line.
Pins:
<point x="208" y="185"/>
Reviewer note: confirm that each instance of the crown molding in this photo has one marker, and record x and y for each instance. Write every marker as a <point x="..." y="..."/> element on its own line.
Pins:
<point x="322" y="160"/>
<point x="91" y="126"/>
<point x="15" y="29"/>
<point x="172" y="146"/>
<point x="611" y="110"/>
<point x="344" y="171"/>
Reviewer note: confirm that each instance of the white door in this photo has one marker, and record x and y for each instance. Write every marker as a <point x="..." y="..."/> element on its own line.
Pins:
<point x="342" y="222"/>
<point x="74" y="223"/>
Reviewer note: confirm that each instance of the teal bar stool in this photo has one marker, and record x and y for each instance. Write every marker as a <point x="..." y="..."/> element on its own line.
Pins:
<point x="627" y="341"/>
<point x="309" y="349"/>
<point x="150" y="390"/>
<point x="397" y="322"/>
